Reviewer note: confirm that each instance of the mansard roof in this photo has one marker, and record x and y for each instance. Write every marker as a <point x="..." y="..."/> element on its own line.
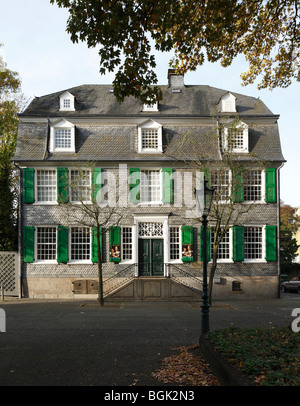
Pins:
<point x="98" y="100"/>
<point x="107" y="130"/>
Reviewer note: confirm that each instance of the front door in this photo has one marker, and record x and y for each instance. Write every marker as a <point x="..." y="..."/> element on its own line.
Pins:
<point x="151" y="257"/>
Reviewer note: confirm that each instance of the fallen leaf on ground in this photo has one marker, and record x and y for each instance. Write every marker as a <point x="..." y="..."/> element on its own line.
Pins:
<point x="186" y="368"/>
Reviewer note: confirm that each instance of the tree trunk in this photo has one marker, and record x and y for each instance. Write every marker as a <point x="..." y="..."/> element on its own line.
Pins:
<point x="100" y="291"/>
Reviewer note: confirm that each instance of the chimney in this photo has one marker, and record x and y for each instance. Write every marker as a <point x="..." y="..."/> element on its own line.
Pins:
<point x="175" y="80"/>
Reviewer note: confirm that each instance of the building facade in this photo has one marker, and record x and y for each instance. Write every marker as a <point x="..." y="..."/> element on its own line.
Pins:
<point x="143" y="161"/>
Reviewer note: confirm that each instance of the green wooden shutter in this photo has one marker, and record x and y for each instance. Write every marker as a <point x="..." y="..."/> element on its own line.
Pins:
<point x="28" y="244"/>
<point x="96" y="184"/>
<point x="187" y="243"/>
<point x="270" y="178"/>
<point x="238" y="243"/>
<point x="134" y="185"/>
<point x="114" y="243"/>
<point x="94" y="244"/>
<point x="238" y="186"/>
<point x="208" y="248"/>
<point x="28" y="185"/>
<point x="271" y="243"/>
<point x="62" y="185"/>
<point x="167" y="185"/>
<point x="62" y="244"/>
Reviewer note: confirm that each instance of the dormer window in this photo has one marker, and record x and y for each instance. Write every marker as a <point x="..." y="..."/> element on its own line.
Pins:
<point x="235" y="138"/>
<point x="228" y="103"/>
<point x="66" y="102"/>
<point x="150" y="107"/>
<point x="150" y="137"/>
<point x="62" y="137"/>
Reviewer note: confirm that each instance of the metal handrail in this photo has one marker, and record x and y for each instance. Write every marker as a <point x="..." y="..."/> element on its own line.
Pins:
<point x="185" y="274"/>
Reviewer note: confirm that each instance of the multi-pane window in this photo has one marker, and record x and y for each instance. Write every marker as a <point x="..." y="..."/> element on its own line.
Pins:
<point x="149" y="139"/>
<point x="224" y="246"/>
<point x="253" y="242"/>
<point x="46" y="243"/>
<point x="220" y="180"/>
<point x="46" y="185"/>
<point x="174" y="243"/>
<point x="80" y="243"/>
<point x="67" y="103"/>
<point x="62" y="138"/>
<point x="126" y="243"/>
<point x="80" y="185"/>
<point x="150" y="186"/>
<point x="252" y="185"/>
<point x="235" y="139"/>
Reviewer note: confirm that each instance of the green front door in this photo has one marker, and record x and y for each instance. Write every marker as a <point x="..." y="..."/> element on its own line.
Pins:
<point x="151" y="257"/>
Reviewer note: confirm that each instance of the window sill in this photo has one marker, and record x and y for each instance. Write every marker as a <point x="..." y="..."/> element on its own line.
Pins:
<point x="45" y="204"/>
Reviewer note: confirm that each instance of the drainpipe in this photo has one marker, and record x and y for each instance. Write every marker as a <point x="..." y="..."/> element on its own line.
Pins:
<point x="19" y="227"/>
<point x="278" y="226"/>
<point x="47" y="139"/>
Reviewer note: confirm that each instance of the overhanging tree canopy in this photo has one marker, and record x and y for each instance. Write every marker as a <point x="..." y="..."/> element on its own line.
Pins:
<point x="266" y="32"/>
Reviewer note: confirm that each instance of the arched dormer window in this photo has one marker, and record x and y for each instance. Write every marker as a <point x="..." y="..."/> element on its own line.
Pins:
<point x="150" y="137"/>
<point x="62" y="137"/>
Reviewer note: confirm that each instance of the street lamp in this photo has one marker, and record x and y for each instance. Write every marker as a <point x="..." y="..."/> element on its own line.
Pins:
<point x="204" y="198"/>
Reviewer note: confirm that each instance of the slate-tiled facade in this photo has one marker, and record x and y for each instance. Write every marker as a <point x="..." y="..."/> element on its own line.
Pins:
<point x="106" y="133"/>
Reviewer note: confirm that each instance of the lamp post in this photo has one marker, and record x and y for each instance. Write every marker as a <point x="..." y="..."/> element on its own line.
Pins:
<point x="204" y="200"/>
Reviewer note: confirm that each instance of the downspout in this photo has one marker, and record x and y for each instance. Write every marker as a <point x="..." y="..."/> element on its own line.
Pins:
<point x="20" y="199"/>
<point x="47" y="139"/>
<point x="278" y="228"/>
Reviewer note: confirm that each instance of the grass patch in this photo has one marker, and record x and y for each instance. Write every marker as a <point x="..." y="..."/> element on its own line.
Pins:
<point x="270" y="357"/>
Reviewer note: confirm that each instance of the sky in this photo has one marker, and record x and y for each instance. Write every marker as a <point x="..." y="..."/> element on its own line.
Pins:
<point x="37" y="46"/>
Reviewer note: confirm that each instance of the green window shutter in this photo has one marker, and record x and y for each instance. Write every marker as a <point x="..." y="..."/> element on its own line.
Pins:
<point x="62" y="185"/>
<point x="207" y="244"/>
<point x="96" y="184"/>
<point x="94" y="244"/>
<point x="28" y="244"/>
<point x="187" y="243"/>
<point x="134" y="185"/>
<point x="62" y="244"/>
<point x="114" y="244"/>
<point x="28" y="185"/>
<point x="167" y="185"/>
<point x="238" y="186"/>
<point x="270" y="178"/>
<point x="271" y="243"/>
<point x="238" y="243"/>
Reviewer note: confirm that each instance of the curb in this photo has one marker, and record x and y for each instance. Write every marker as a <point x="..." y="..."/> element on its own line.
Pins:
<point x="227" y="375"/>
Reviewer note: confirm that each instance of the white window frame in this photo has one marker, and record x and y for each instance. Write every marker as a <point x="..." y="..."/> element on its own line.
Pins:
<point x="262" y="188"/>
<point x="62" y="125"/>
<point x="177" y="260"/>
<point x="150" y="107"/>
<point x="46" y="202"/>
<point x="150" y="125"/>
<point x="79" y="261"/>
<point x="150" y="202"/>
<point x="230" y="247"/>
<point x="228" y="187"/>
<point x="123" y="242"/>
<point x="226" y="132"/>
<point x="66" y="96"/>
<point x="44" y="261"/>
<point x="87" y="186"/>
<point x="263" y="245"/>
<point x="228" y="103"/>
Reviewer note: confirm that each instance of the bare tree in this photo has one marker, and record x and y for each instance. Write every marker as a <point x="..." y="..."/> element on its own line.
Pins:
<point x="88" y="204"/>
<point x="227" y="175"/>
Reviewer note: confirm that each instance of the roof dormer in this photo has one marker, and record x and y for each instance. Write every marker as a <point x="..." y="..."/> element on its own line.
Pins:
<point x="66" y="102"/>
<point x="227" y="103"/>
